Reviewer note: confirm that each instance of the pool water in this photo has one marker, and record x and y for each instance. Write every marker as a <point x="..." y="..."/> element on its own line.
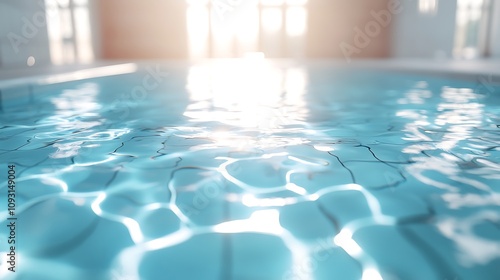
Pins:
<point x="253" y="169"/>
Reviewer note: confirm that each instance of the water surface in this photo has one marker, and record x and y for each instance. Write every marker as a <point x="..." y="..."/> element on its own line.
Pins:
<point x="254" y="170"/>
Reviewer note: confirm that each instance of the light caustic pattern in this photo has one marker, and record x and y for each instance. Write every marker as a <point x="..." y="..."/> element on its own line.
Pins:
<point x="251" y="170"/>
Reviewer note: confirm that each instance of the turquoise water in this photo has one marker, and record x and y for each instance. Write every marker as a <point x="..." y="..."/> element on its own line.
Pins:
<point x="253" y="170"/>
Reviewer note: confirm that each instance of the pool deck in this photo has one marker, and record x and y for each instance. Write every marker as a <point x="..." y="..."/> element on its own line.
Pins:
<point x="486" y="69"/>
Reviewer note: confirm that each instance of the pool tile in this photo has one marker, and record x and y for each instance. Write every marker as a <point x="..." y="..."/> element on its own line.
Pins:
<point x="306" y="221"/>
<point x="343" y="207"/>
<point x="200" y="257"/>
<point x="391" y="251"/>
<point x="258" y="256"/>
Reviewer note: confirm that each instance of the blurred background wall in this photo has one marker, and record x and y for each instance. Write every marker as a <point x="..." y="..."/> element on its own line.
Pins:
<point x="142" y="29"/>
<point x="425" y="29"/>
<point x="20" y="36"/>
<point x="40" y="32"/>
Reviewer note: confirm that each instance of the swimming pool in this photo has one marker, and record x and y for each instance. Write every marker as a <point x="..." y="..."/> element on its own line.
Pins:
<point x="250" y="169"/>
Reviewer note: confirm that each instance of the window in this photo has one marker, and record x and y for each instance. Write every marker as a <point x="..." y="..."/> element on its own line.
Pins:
<point x="428" y="6"/>
<point x="233" y="28"/>
<point x="69" y="31"/>
<point x="471" y="33"/>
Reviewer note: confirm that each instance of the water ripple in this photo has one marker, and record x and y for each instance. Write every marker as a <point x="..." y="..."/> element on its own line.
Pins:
<point x="257" y="170"/>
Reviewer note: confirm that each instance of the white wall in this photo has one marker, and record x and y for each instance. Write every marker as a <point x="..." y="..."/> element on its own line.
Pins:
<point x="495" y="30"/>
<point x="23" y="33"/>
<point x="424" y="35"/>
<point x="95" y="27"/>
